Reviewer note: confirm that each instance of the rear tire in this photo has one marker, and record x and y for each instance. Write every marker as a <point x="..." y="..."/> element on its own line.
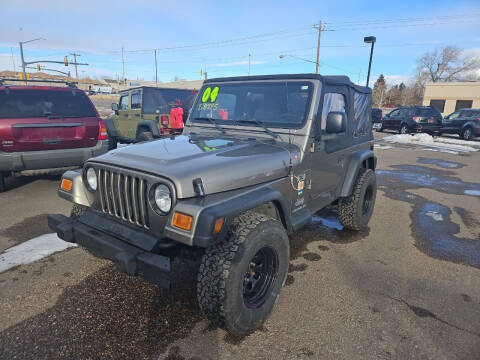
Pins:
<point x="145" y="136"/>
<point x="467" y="133"/>
<point x="355" y="211"/>
<point x="240" y="278"/>
<point x="78" y="210"/>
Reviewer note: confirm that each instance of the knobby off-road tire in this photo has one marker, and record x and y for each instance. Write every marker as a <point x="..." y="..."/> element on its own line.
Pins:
<point x="145" y="136"/>
<point x="354" y="211"/>
<point x="77" y="211"/>
<point x="225" y="273"/>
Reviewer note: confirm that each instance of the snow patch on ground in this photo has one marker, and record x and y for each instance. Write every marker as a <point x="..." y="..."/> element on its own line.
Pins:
<point x="472" y="192"/>
<point x="32" y="250"/>
<point x="383" y="147"/>
<point x="435" y="215"/>
<point x="441" y="150"/>
<point x="428" y="140"/>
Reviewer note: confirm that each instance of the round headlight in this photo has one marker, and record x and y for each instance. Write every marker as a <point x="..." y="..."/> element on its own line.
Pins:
<point x="92" y="179"/>
<point x="163" y="198"/>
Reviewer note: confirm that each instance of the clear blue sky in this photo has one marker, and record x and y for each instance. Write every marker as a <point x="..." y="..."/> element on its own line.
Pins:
<point x="98" y="30"/>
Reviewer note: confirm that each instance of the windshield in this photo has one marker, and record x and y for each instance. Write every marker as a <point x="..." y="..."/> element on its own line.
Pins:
<point x="275" y="104"/>
<point x="41" y="103"/>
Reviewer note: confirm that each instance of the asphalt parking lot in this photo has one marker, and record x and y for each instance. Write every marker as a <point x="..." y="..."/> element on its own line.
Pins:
<point x="409" y="287"/>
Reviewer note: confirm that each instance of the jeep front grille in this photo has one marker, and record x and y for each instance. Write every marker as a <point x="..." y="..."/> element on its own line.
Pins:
<point x="123" y="196"/>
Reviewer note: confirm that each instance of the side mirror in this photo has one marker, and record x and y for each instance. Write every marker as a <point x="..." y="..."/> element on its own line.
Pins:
<point x="336" y="122"/>
<point x="114" y="106"/>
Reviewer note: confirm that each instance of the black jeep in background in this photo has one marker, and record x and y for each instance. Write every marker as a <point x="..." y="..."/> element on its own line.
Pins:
<point x="408" y="119"/>
<point x="464" y="122"/>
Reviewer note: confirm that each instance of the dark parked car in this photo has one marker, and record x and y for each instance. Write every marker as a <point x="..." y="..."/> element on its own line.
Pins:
<point x="46" y="128"/>
<point x="464" y="122"/>
<point x="377" y="115"/>
<point x="259" y="156"/>
<point x="408" y="119"/>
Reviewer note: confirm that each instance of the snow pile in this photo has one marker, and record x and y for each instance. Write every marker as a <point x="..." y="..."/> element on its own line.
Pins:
<point x="435" y="215"/>
<point x="383" y="147"/>
<point x="428" y="140"/>
<point x="32" y="250"/>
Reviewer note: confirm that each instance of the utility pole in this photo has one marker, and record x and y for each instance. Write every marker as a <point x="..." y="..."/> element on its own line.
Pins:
<point x="156" y="71"/>
<point x="23" y="62"/>
<point x="318" y="46"/>
<point x="75" y="62"/>
<point x="249" y="56"/>
<point x="13" y="60"/>
<point x="123" y="66"/>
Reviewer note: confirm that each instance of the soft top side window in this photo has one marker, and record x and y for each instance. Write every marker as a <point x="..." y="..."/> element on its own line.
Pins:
<point x="123" y="104"/>
<point x="331" y="102"/>
<point x="136" y="101"/>
<point x="360" y="117"/>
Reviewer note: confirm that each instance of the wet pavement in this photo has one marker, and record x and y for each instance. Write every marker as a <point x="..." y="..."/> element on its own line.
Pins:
<point x="408" y="287"/>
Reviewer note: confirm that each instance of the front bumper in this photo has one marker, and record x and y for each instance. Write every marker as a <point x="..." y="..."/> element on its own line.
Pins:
<point x="50" y="159"/>
<point x="131" y="260"/>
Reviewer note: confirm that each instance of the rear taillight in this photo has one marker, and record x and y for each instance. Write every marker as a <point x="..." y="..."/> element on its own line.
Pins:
<point x="477" y="120"/>
<point x="164" y="120"/>
<point x="416" y="119"/>
<point x="102" y="131"/>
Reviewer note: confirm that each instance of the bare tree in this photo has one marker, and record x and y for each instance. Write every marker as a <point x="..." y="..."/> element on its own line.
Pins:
<point x="379" y="91"/>
<point x="446" y="64"/>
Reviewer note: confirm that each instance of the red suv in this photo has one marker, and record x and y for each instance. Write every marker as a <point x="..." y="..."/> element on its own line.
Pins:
<point x="46" y="127"/>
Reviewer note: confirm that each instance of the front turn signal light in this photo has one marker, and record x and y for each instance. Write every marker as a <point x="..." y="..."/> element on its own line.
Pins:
<point x="218" y="225"/>
<point x="182" y="221"/>
<point x="66" y="184"/>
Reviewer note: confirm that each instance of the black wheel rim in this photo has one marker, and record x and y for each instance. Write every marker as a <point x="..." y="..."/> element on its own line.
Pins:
<point x="367" y="200"/>
<point x="260" y="277"/>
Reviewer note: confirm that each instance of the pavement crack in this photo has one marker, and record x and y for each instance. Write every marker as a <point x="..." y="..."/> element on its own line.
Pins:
<point x="421" y="312"/>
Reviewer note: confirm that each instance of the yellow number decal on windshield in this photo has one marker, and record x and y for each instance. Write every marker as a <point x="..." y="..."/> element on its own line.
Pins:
<point x="206" y="94"/>
<point x="209" y="93"/>
<point x="214" y="94"/>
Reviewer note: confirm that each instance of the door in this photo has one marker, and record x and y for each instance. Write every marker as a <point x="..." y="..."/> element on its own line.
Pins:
<point x="462" y="119"/>
<point x="392" y="118"/>
<point x="327" y="160"/>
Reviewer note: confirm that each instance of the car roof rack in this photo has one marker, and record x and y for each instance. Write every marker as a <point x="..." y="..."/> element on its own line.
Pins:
<point x="72" y="84"/>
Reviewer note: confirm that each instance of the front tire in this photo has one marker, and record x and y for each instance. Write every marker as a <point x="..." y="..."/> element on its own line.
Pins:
<point x="467" y="134"/>
<point x="403" y="129"/>
<point x="78" y="210"/>
<point x="240" y="278"/>
<point x="2" y="183"/>
<point x="355" y="211"/>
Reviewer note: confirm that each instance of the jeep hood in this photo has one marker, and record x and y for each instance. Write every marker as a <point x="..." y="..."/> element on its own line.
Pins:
<point x="222" y="163"/>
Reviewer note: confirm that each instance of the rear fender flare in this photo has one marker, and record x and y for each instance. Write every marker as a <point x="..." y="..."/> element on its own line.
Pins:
<point x="365" y="158"/>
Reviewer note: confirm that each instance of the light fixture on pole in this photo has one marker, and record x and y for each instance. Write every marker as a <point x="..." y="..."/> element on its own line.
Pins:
<point x="370" y="40"/>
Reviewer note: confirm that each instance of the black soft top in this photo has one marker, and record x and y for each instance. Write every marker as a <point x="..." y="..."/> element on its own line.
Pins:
<point x="156" y="88"/>
<point x="329" y="79"/>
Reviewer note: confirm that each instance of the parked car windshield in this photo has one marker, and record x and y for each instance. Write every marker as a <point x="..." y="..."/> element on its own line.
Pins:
<point x="277" y="104"/>
<point x="163" y="99"/>
<point x="42" y="103"/>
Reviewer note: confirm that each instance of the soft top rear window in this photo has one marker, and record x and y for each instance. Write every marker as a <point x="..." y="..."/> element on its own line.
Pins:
<point x="164" y="99"/>
<point x="44" y="103"/>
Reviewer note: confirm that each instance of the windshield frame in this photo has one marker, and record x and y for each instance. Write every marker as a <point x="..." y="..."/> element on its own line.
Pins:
<point x="229" y="124"/>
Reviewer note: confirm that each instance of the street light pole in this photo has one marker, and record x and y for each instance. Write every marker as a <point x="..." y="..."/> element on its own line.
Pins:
<point x="371" y="40"/>
<point x="156" y="71"/>
<point x="23" y="60"/>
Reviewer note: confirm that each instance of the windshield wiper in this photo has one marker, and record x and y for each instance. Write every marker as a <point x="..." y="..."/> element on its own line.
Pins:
<point x="261" y="124"/>
<point x="212" y="120"/>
